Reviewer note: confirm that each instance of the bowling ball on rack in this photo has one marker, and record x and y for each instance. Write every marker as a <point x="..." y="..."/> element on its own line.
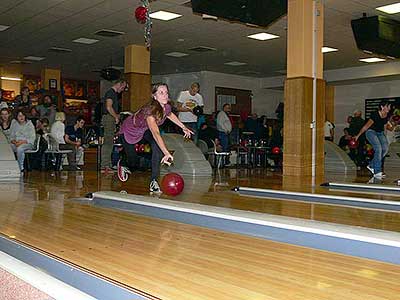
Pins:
<point x="198" y="110"/>
<point x="141" y="148"/>
<point x="147" y="148"/>
<point x="276" y="150"/>
<point x="172" y="184"/>
<point x="396" y="119"/>
<point x="137" y="148"/>
<point x="353" y="144"/>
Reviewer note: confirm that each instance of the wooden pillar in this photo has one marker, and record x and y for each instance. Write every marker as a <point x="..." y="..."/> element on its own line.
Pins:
<point x="51" y="76"/>
<point x="330" y="103"/>
<point x="137" y="73"/>
<point x="297" y="145"/>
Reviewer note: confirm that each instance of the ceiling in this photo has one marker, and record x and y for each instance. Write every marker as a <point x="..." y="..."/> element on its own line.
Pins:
<point x="37" y="25"/>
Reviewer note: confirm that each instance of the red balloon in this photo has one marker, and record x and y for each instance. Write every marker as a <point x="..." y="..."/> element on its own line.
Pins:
<point x="276" y="150"/>
<point x="141" y="14"/>
<point x="353" y="144"/>
<point x="172" y="184"/>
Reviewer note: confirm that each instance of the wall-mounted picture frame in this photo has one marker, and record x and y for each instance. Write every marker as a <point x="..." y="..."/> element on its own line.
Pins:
<point x="52" y="83"/>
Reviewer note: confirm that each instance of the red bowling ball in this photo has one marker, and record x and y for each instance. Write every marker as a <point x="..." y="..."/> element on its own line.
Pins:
<point x="172" y="184"/>
<point x="276" y="150"/>
<point x="353" y="144"/>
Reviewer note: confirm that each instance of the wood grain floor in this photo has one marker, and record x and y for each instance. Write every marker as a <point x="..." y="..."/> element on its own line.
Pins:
<point x="176" y="261"/>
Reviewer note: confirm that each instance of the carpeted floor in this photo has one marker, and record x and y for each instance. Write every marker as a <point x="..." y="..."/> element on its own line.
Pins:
<point x="13" y="288"/>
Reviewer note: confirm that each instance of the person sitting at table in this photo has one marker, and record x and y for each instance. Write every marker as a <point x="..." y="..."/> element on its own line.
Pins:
<point x="22" y="137"/>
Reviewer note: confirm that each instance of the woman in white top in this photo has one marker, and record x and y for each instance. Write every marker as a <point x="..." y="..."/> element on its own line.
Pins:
<point x="58" y="128"/>
<point x="22" y="137"/>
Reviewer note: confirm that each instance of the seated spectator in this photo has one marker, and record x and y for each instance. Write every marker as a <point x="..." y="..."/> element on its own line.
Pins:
<point x="47" y="109"/>
<point x="5" y="122"/>
<point x="42" y="126"/>
<point x="22" y="137"/>
<point x="33" y="115"/>
<point x="3" y="102"/>
<point x="73" y="141"/>
<point x="58" y="128"/>
<point x="23" y="101"/>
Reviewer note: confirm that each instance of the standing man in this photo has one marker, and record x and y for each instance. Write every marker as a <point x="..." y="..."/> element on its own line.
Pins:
<point x="224" y="127"/>
<point x="328" y="131"/>
<point x="188" y="100"/>
<point x="111" y="107"/>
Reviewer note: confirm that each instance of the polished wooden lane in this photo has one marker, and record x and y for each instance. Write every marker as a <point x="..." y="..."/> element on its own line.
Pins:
<point x="217" y="192"/>
<point x="177" y="261"/>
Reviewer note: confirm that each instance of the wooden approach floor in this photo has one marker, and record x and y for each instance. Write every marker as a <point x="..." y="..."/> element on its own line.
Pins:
<point x="170" y="260"/>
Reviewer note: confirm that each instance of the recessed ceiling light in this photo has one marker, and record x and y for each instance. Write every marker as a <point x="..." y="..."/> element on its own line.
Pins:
<point x="164" y="15"/>
<point x="34" y="58"/>
<point x="202" y="49"/>
<point x="390" y="9"/>
<point x="85" y="41"/>
<point x="328" y="49"/>
<point x="59" y="49"/>
<point x="263" y="36"/>
<point x="109" y="33"/>
<point x="4" y="27"/>
<point x="176" y="54"/>
<point x="372" y="60"/>
<point x="10" y="78"/>
<point x="235" y="63"/>
<point x="21" y="62"/>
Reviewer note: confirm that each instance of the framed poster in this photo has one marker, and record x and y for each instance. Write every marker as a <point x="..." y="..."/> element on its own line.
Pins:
<point x="52" y="83"/>
<point x="69" y="87"/>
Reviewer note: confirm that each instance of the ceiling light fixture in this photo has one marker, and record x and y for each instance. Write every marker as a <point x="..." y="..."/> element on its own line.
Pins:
<point x="263" y="36"/>
<point x="328" y="49"/>
<point x="59" y="49"/>
<point x="4" y="27"/>
<point x="34" y="58"/>
<point x="176" y="54"/>
<point x="10" y="78"/>
<point x="235" y="63"/>
<point x="164" y="15"/>
<point x="85" y="41"/>
<point x="372" y="59"/>
<point x="390" y="9"/>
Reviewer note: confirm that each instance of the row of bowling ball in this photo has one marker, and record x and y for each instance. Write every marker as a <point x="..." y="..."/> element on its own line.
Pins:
<point x="368" y="150"/>
<point x="253" y="142"/>
<point x="142" y="148"/>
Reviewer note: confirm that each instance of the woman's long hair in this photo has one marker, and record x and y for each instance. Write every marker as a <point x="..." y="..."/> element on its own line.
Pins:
<point x="9" y="115"/>
<point x="155" y="107"/>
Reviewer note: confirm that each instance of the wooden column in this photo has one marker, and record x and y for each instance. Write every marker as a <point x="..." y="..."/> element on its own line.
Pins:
<point x="297" y="146"/>
<point x="51" y="74"/>
<point x="137" y="73"/>
<point x="330" y="103"/>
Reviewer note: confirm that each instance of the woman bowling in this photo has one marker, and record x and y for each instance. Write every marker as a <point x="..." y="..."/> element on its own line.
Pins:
<point x="375" y="132"/>
<point x="143" y="125"/>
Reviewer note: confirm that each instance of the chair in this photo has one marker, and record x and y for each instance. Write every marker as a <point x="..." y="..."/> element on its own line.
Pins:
<point x="29" y="153"/>
<point x="54" y="150"/>
<point x="218" y="156"/>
